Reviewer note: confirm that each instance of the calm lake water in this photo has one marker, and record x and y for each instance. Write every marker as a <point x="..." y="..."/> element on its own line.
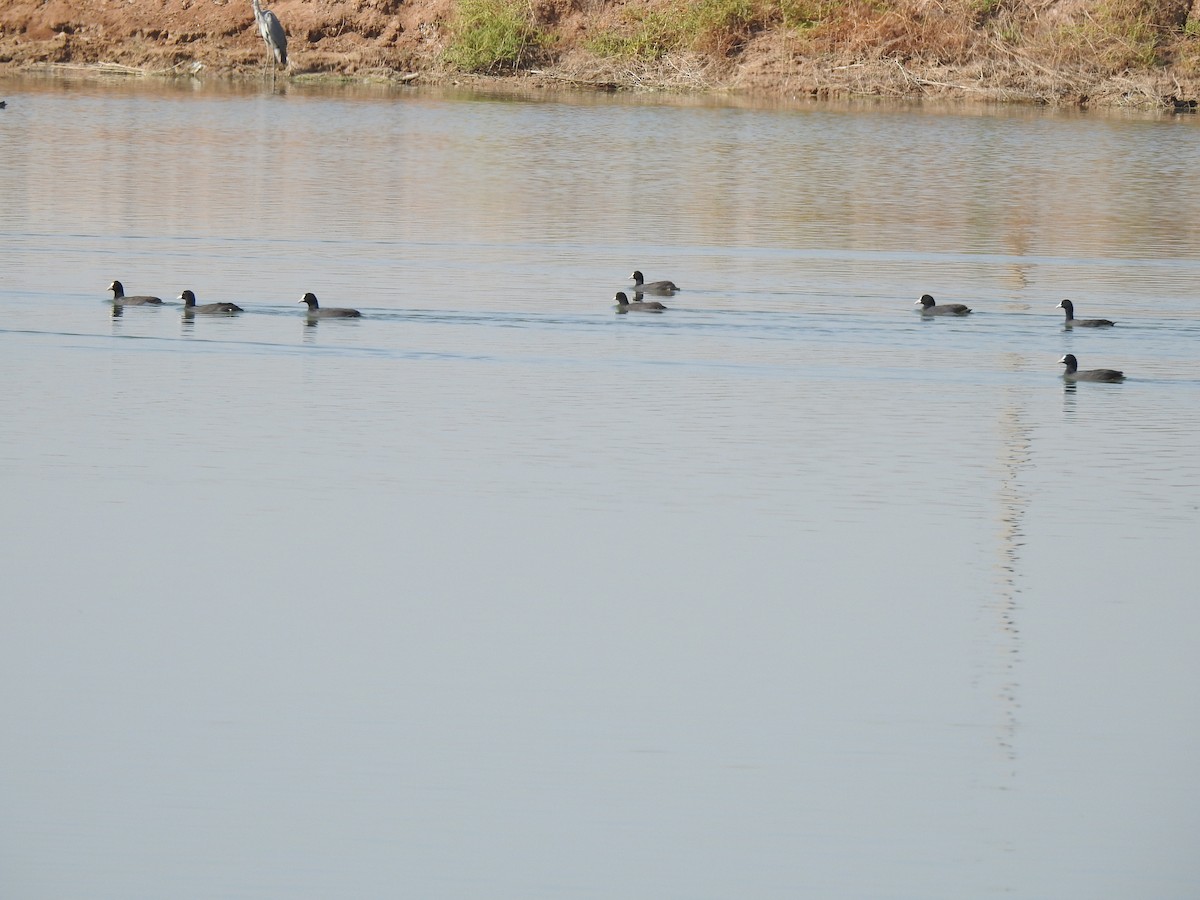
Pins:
<point x="786" y="592"/>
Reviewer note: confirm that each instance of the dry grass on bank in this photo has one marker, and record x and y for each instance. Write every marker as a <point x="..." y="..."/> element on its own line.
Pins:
<point x="1122" y="51"/>
<point x="1130" y="52"/>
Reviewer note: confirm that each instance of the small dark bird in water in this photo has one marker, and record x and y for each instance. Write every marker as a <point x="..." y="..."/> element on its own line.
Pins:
<point x="623" y="304"/>
<point x="641" y="286"/>
<point x="119" y="298"/>
<point x="3" y="104"/>
<point x="1074" y="373"/>
<point x="929" y="307"/>
<point x="190" y="307"/>
<point x="1082" y="323"/>
<point x="315" y="311"/>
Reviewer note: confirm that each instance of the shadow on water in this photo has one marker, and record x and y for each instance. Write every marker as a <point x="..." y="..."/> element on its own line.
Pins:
<point x="1071" y="388"/>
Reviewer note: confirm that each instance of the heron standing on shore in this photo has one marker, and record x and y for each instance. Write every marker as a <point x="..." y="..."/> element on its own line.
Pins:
<point x="272" y="34"/>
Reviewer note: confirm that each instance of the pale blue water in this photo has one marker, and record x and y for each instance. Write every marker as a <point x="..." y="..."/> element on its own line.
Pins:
<point x="494" y="593"/>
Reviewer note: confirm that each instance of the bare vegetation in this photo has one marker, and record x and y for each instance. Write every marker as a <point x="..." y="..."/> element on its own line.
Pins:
<point x="1136" y="52"/>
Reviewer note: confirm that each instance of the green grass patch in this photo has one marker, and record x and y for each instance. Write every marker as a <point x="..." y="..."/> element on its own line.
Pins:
<point x="1116" y="36"/>
<point x="650" y="33"/>
<point x="800" y="15"/>
<point x="982" y="10"/>
<point x="490" y="36"/>
<point x="705" y="26"/>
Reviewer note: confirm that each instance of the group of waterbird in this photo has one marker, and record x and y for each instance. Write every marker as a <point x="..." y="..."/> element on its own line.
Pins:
<point x="641" y="287"/>
<point x="929" y="307"/>
<point x="190" y="307"/>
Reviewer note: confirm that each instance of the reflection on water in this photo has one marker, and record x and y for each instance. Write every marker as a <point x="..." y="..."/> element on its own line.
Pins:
<point x="498" y="574"/>
<point x="1014" y="445"/>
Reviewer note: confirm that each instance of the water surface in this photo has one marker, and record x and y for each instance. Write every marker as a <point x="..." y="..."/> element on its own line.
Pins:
<point x="495" y="593"/>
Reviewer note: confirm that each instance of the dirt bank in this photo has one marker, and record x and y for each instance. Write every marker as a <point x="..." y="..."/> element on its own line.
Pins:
<point x="1145" y="53"/>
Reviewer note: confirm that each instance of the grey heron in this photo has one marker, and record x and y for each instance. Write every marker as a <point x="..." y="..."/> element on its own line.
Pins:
<point x="272" y="33"/>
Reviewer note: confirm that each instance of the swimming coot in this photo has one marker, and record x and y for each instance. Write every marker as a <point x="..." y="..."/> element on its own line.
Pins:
<point x="190" y="307"/>
<point x="623" y="304"/>
<point x="1083" y="323"/>
<point x="120" y="299"/>
<point x="641" y="286"/>
<point x="929" y="307"/>
<point x="315" y="311"/>
<point x="1073" y="372"/>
